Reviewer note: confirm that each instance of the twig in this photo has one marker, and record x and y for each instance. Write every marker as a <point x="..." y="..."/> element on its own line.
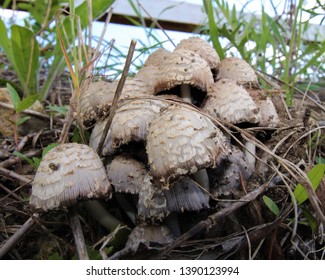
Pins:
<point x="12" y="161"/>
<point x="14" y="175"/>
<point x="117" y="95"/>
<point x="212" y="219"/>
<point x="18" y="235"/>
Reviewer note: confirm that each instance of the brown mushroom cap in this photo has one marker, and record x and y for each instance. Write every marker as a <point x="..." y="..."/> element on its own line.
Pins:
<point x="68" y="173"/>
<point x="183" y="67"/>
<point x="157" y="57"/>
<point x="97" y="99"/>
<point x="182" y="141"/>
<point x="126" y="174"/>
<point x="130" y="123"/>
<point x="148" y="74"/>
<point x="238" y="70"/>
<point x="230" y="102"/>
<point x="202" y="48"/>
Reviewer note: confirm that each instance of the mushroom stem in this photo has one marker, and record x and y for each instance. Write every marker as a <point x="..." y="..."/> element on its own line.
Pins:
<point x="186" y="93"/>
<point x="201" y="177"/>
<point x="101" y="215"/>
<point x="250" y="151"/>
<point x="78" y="236"/>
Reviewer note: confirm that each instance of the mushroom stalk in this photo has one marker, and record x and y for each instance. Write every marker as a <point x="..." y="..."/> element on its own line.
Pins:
<point x="186" y="93"/>
<point x="78" y="236"/>
<point x="101" y="215"/>
<point x="250" y="151"/>
<point x="201" y="177"/>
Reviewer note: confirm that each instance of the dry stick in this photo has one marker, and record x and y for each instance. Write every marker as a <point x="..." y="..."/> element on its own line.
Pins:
<point x="212" y="219"/>
<point x="14" y="175"/>
<point x="117" y="95"/>
<point x="14" y="160"/>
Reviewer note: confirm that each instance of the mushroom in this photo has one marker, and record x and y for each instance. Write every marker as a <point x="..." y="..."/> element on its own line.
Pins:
<point x="186" y="69"/>
<point x="69" y="173"/>
<point x="230" y="102"/>
<point x="183" y="141"/>
<point x="157" y="57"/>
<point x="130" y="123"/>
<point x="238" y="70"/>
<point x="151" y="236"/>
<point x="202" y="48"/>
<point x="97" y="98"/>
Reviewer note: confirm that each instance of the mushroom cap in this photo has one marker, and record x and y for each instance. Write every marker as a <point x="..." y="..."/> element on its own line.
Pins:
<point x="148" y="74"/>
<point x="185" y="195"/>
<point x="237" y="69"/>
<point x="183" y="67"/>
<point x="149" y="235"/>
<point x="226" y="178"/>
<point x="157" y="57"/>
<point x="268" y="114"/>
<point x="126" y="174"/>
<point x="182" y="141"/>
<point x="68" y="173"/>
<point x="97" y="99"/>
<point x="231" y="102"/>
<point x="202" y="48"/>
<point x="130" y="123"/>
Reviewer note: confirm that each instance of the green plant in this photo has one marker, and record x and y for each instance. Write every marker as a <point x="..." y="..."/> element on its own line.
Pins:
<point x="35" y="43"/>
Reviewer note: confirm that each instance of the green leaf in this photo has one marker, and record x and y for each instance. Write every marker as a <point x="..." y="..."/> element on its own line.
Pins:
<point x="25" y="52"/>
<point x="311" y="220"/>
<point x="26" y="102"/>
<point x="58" y="109"/>
<point x="5" y="42"/>
<point x="22" y="156"/>
<point x="14" y="96"/>
<point x="22" y="120"/>
<point x="49" y="148"/>
<point x="320" y="160"/>
<point x="271" y="205"/>
<point x="315" y="176"/>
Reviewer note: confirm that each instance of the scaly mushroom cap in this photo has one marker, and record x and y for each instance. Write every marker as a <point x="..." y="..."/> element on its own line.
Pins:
<point x="183" y="67"/>
<point x="68" y="173"/>
<point x="238" y="70"/>
<point x="268" y="114"/>
<point x="126" y="174"/>
<point x="182" y="141"/>
<point x="185" y="195"/>
<point x="148" y="74"/>
<point x="157" y="57"/>
<point x="97" y="99"/>
<point x="227" y="177"/>
<point x="149" y="235"/>
<point x="202" y="48"/>
<point x="230" y="102"/>
<point x="130" y="123"/>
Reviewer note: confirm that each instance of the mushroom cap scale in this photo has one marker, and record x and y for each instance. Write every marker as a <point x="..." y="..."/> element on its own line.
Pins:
<point x="230" y="102"/>
<point x="157" y="57"/>
<point x="182" y="141"/>
<point x="183" y="67"/>
<point x="68" y="173"/>
<point x="202" y="48"/>
<point x="238" y="70"/>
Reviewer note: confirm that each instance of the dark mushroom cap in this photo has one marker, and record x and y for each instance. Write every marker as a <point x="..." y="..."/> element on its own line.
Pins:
<point x="68" y="173"/>
<point x="229" y="101"/>
<point x="126" y="174"/>
<point x="185" y="195"/>
<point x="238" y="70"/>
<point x="182" y="141"/>
<point x="202" y="48"/>
<point x="183" y="67"/>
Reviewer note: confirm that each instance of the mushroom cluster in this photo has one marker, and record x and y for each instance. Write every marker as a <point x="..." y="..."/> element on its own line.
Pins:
<point x="165" y="151"/>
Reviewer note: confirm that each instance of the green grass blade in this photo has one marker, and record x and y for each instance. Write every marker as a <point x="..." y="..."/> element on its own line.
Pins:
<point x="271" y="205"/>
